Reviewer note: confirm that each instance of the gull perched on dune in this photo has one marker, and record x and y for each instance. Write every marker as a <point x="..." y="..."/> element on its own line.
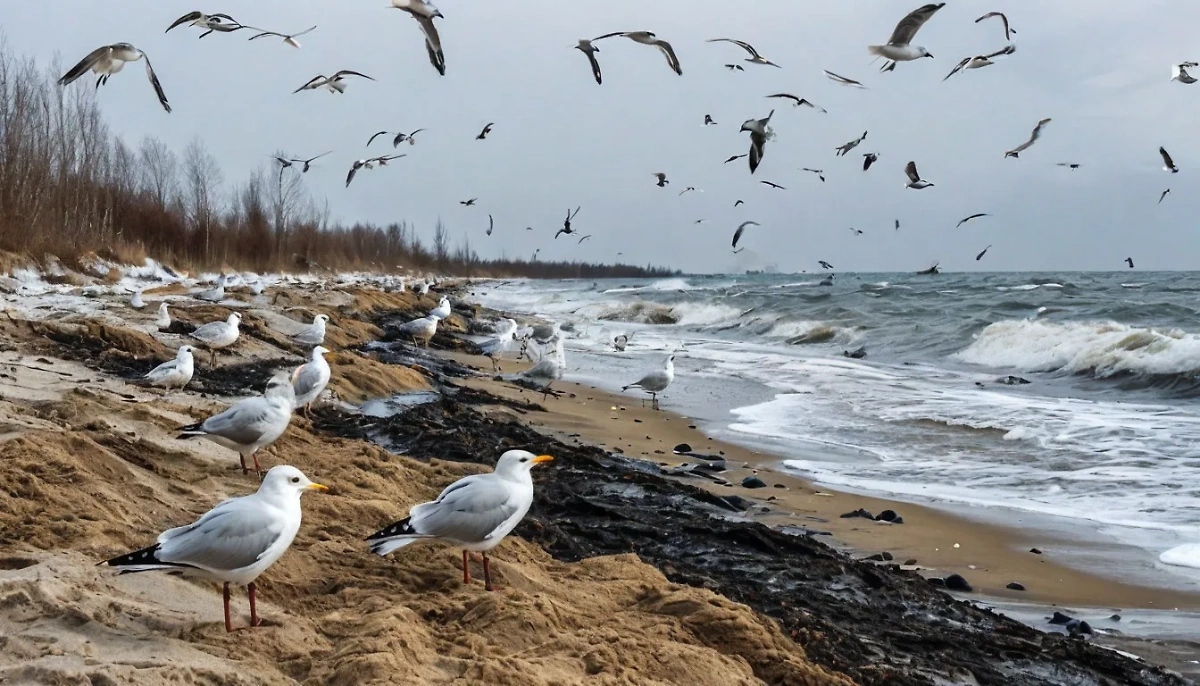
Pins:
<point x="310" y="379"/>
<point x="648" y="38"/>
<point x="420" y="329"/>
<point x="334" y="84"/>
<point x="899" y="47"/>
<point x="249" y="424"/>
<point x="760" y="133"/>
<point x="215" y="294"/>
<point x="109" y="60"/>
<point x="493" y="348"/>
<point x="136" y="301"/>
<point x="209" y="22"/>
<point x="655" y="382"/>
<point x="1037" y="132"/>
<point x="235" y="542"/>
<point x="754" y="58"/>
<point x="915" y="181"/>
<point x="216" y="335"/>
<point x="172" y="373"/>
<point x="442" y="310"/>
<point x="1179" y="72"/>
<point x="1008" y="31"/>
<point x="164" y="317"/>
<point x="424" y="13"/>
<point x="288" y="38"/>
<point x="313" y="334"/>
<point x="586" y="46"/>
<point x="476" y="512"/>
<point x="980" y="61"/>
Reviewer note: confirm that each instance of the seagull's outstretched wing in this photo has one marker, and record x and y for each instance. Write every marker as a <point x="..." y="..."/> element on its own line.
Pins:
<point x="909" y="25"/>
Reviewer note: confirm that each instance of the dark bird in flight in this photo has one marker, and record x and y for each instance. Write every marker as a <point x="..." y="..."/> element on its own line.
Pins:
<point x="824" y="264"/>
<point x="467" y="203"/>
<point x="1129" y="261"/>
<point x="308" y="163"/>
<point x="567" y="223"/>
<point x="964" y="220"/>
<point x="737" y="235"/>
<point x="869" y="159"/>
<point x="491" y="225"/>
<point x="662" y="179"/>
<point x="1168" y="164"/>
<point x="735" y="157"/>
<point x="1072" y="165"/>
<point x="1007" y="29"/>
<point x="798" y="101"/>
<point x="820" y="174"/>
<point x="773" y="185"/>
<point x="1037" y="132"/>
<point x="708" y="120"/>
<point x="738" y="202"/>
<point x="486" y="130"/>
<point x="585" y="46"/>
<point x="1164" y="194"/>
<point x="843" y="149"/>
<point x="982" y="253"/>
<point x="897" y="224"/>
<point x="731" y="67"/>
<point x="856" y="232"/>
<point x="584" y="238"/>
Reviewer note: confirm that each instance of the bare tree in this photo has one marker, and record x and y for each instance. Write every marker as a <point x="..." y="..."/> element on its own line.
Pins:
<point x="441" y="243"/>
<point x="160" y="171"/>
<point x="202" y="178"/>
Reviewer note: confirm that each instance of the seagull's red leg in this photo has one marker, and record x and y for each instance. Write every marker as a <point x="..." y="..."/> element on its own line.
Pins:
<point x="466" y="569"/>
<point x="257" y="468"/>
<point x="228" y="622"/>
<point x="487" y="574"/>
<point x="243" y="459"/>
<point x="250" y="591"/>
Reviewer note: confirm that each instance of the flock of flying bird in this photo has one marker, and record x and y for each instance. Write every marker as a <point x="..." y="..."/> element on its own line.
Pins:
<point x="110" y="59"/>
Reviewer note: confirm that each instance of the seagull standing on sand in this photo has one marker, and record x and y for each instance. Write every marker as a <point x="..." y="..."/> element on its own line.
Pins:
<point x="898" y="47"/>
<point x="760" y="133"/>
<point x="164" y="317"/>
<point x="249" y="424"/>
<point x="424" y="13"/>
<point x="420" y="329"/>
<point x="475" y="512"/>
<point x="495" y="347"/>
<point x="215" y="294"/>
<point x="310" y="379"/>
<point x="648" y="38"/>
<point x="1037" y="132"/>
<point x="915" y="181"/>
<point x="548" y="370"/>
<point x="172" y="373"/>
<point x="1179" y="72"/>
<point x="217" y="335"/>
<point x="313" y="334"/>
<point x="754" y="58"/>
<point x="288" y="38"/>
<point x="1168" y="163"/>
<point x="136" y="301"/>
<point x="235" y="542"/>
<point x="655" y="382"/>
<point x="442" y="310"/>
<point x="109" y="60"/>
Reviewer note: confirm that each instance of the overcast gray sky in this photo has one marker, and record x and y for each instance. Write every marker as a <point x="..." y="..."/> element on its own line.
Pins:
<point x="1099" y="68"/>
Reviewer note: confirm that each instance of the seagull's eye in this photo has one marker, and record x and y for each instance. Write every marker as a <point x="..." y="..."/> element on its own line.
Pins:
<point x="524" y="459"/>
<point x="295" y="479"/>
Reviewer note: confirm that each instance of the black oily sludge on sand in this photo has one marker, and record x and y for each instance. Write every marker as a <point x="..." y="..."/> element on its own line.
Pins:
<point x="875" y="623"/>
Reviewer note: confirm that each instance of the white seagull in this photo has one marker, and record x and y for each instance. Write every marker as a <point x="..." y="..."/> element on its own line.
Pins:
<point x="1179" y="72"/>
<point x="476" y="512"/>
<point x="754" y="58"/>
<point x="798" y="101"/>
<point x="915" y="181"/>
<point x="209" y="22"/>
<point x="334" y="84"/>
<point x="442" y="310"/>
<point x="843" y="149"/>
<point x="216" y="335"/>
<point x="164" y="317"/>
<point x="898" y="47"/>
<point x="136" y="301"/>
<point x="587" y="48"/>
<point x="648" y="38"/>
<point x="655" y="382"/>
<point x="1037" y="132"/>
<point x="249" y="424"/>
<point x="979" y="61"/>
<point x="288" y="39"/>
<point x="310" y="379"/>
<point x="172" y="373"/>
<point x="1007" y="30"/>
<point x="313" y="334"/>
<point x="548" y="370"/>
<point x="496" y="347"/>
<point x="109" y="60"/>
<point x="760" y="133"/>
<point x="423" y="328"/>
<point x="215" y="294"/>
<point x="424" y="13"/>
<point x="235" y="542"/>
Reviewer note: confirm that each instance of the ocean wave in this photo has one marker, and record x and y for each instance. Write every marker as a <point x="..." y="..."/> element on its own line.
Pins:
<point x="805" y="332"/>
<point x="1160" y="357"/>
<point x="703" y="314"/>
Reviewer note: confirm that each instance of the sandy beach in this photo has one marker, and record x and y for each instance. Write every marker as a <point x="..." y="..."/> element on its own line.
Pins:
<point x="93" y="470"/>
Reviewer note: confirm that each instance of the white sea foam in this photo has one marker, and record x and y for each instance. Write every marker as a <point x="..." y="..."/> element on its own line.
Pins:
<point x="1099" y="348"/>
<point x="1186" y="555"/>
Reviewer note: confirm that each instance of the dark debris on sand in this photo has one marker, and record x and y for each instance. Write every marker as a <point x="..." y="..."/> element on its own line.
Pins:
<point x="873" y="622"/>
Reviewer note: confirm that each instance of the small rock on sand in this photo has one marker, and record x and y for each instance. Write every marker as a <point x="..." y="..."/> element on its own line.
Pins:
<point x="956" y="582"/>
<point x="1015" y="586"/>
<point x="1035" y="551"/>
<point x="890" y="516"/>
<point x="682" y="448"/>
<point x="1060" y="618"/>
<point x="753" y="482"/>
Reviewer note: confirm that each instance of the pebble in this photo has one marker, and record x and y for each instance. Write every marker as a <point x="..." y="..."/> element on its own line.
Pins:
<point x="956" y="582"/>
<point x="911" y="562"/>
<point x="1060" y="618"/>
<point x="1115" y="618"/>
<point x="737" y="502"/>
<point x="890" y="516"/>
<point x="682" y="448"/>
<point x="753" y="482"/>
<point x="780" y="486"/>
<point x="1035" y="551"/>
<point x="1078" y="626"/>
<point x="1014" y="586"/>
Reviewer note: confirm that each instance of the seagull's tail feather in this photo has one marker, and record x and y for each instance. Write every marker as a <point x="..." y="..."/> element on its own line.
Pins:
<point x="394" y="537"/>
<point x="875" y="49"/>
<point x="144" y="560"/>
<point x="190" y="431"/>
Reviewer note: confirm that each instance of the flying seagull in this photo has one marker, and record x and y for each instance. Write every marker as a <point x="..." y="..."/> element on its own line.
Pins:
<point x="467" y="203"/>
<point x="980" y="61"/>
<point x="982" y="253"/>
<point x="964" y="220"/>
<point x="1179" y="72"/>
<point x="898" y="48"/>
<point x="708" y="120"/>
<point x="491" y="225"/>
<point x="334" y="84"/>
<point x="662" y="179"/>
<point x="739" y="202"/>
<point x="737" y="67"/>
<point x="760" y="133"/>
<point x="567" y="223"/>
<point x="648" y="38"/>
<point x="735" y="157"/>
<point x="754" y="58"/>
<point x="288" y="39"/>
<point x="737" y="235"/>
<point x="1037" y="131"/>
<point x="368" y="164"/>
<point x="820" y="174"/>
<point x="1072" y="165"/>
<point x="209" y="22"/>
<point x="400" y="137"/>
<point x="897" y="224"/>
<point x="700" y="221"/>
<point x="690" y="189"/>
<point x="869" y="159"/>
<point x="843" y="149"/>
<point x="308" y="163"/>
<point x="856" y="232"/>
<point x="1129" y="261"/>
<point x="424" y="13"/>
<point x="587" y="48"/>
<point x="584" y="238"/>
<point x="486" y="130"/>
<point x="1168" y="165"/>
<point x="1007" y="30"/>
<point x="773" y="185"/>
<point x="798" y="101"/>
<point x="915" y="181"/>
<point x="824" y="264"/>
<point x="842" y="80"/>
<point x="109" y="60"/>
<point x="1164" y="194"/>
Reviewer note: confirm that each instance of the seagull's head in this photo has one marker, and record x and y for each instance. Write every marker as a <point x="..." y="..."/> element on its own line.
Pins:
<point x="280" y="386"/>
<point x="321" y="318"/>
<point x="517" y="462"/>
<point x="234" y="319"/>
<point x="924" y="52"/>
<point x="319" y="351"/>
<point x="185" y="351"/>
<point x="287" y="479"/>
